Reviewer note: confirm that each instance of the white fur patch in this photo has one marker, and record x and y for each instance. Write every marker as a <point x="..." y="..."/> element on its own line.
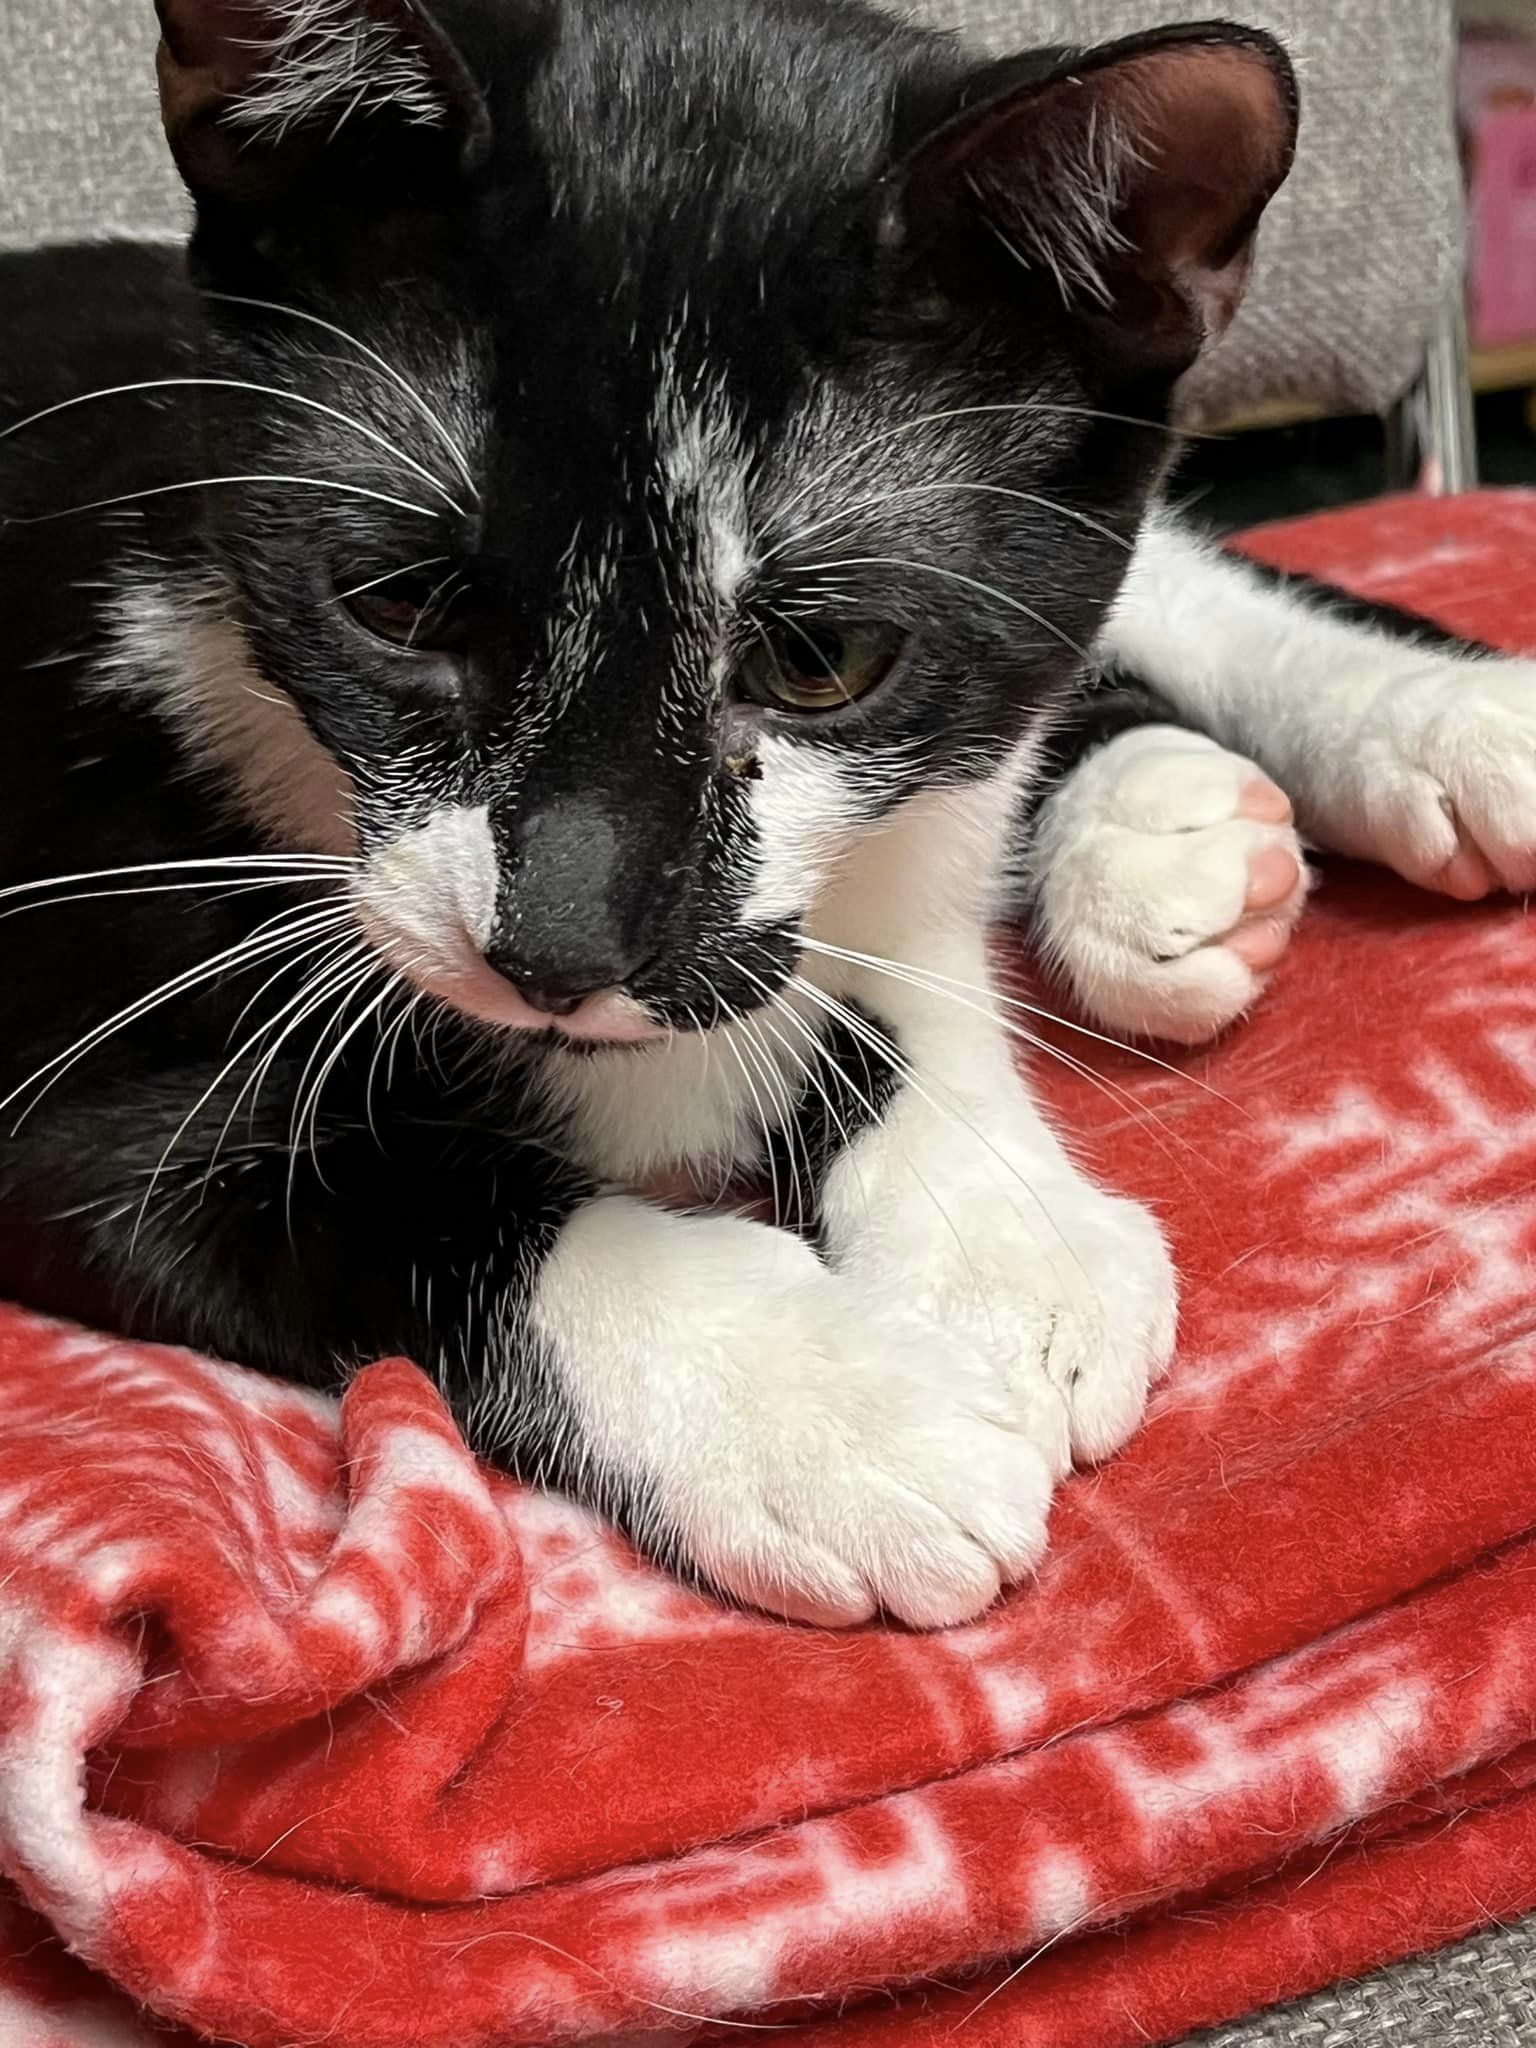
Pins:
<point x="694" y="1103"/>
<point x="176" y="643"/>
<point x="427" y="900"/>
<point x="804" y="805"/>
<point x="703" y="463"/>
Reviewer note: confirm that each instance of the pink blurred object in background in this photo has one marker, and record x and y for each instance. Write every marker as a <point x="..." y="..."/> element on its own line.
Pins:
<point x="1497" y="107"/>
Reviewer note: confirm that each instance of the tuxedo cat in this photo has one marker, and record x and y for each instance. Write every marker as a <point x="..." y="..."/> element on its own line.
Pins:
<point x="525" y="650"/>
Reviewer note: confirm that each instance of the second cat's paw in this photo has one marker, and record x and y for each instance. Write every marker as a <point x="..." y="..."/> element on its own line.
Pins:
<point x="1169" y="879"/>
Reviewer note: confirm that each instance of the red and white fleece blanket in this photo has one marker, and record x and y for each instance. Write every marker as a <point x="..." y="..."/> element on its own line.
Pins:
<point x="311" y="1732"/>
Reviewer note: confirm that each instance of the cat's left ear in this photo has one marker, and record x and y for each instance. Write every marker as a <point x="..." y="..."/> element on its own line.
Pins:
<point x="262" y="97"/>
<point x="1128" y="180"/>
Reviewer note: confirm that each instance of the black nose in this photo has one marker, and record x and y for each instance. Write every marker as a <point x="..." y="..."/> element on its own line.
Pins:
<point x="581" y="903"/>
<point x="562" y="981"/>
<point x="557" y="995"/>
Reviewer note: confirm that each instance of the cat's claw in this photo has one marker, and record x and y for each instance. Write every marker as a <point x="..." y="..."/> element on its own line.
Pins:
<point x="1169" y="881"/>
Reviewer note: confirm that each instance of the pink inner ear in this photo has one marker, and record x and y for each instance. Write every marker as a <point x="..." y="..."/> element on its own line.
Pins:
<point x="1209" y="137"/>
<point x="1133" y="178"/>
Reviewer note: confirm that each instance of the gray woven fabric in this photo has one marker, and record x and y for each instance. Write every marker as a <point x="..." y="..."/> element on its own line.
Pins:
<point x="1479" y="1994"/>
<point x="1362" y="248"/>
<point x="81" y="152"/>
<point x="1358" y="255"/>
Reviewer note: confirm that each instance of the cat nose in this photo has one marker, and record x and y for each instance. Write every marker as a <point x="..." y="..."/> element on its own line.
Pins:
<point x="558" y="995"/>
<point x="558" y="988"/>
<point x="580" y="908"/>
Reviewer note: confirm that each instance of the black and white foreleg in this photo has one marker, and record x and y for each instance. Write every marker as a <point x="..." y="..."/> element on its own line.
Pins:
<point x="1395" y="742"/>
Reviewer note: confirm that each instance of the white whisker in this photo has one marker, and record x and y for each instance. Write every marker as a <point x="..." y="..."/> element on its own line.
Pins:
<point x="410" y="568"/>
<point x="312" y="863"/>
<point x="244" y="1049"/>
<point x="757" y="1101"/>
<point x="926" y="490"/>
<point x="208" y="483"/>
<point x="258" y="390"/>
<point x="901" y="968"/>
<point x="810" y="1069"/>
<point x="450" y="443"/>
<point x="882" y="1045"/>
<point x="954" y="576"/>
<point x="246" y="952"/>
<point x="1040" y="408"/>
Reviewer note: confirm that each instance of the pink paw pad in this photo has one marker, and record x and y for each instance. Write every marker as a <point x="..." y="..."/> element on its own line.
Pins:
<point x="1274" y="876"/>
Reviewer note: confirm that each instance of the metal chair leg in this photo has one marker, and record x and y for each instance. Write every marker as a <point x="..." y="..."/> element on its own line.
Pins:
<point x="1432" y="433"/>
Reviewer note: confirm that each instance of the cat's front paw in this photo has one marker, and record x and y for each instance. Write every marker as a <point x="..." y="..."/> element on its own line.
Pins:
<point x="863" y="1460"/>
<point x="805" y="1445"/>
<point x="1169" y="879"/>
<point x="1069" y="1291"/>
<point x="1439" y="781"/>
<point x="1072" y="1298"/>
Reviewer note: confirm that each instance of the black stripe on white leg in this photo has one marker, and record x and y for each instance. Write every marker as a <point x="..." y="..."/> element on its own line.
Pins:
<point x="847" y="1083"/>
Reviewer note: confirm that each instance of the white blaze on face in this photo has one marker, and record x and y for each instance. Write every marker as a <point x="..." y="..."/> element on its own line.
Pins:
<point x="704" y="475"/>
<point x="428" y="901"/>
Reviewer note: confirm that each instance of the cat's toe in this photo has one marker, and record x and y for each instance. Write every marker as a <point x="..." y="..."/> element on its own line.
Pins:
<point x="1169" y="882"/>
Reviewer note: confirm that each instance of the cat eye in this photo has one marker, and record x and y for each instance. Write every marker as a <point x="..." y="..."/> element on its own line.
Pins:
<point x="418" y="609"/>
<point x="816" y="665"/>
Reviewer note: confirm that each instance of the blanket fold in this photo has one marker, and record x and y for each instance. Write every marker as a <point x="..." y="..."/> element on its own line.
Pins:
<point x="312" y="1731"/>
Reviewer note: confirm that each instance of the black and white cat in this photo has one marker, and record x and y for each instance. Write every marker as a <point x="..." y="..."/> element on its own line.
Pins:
<point x="522" y="676"/>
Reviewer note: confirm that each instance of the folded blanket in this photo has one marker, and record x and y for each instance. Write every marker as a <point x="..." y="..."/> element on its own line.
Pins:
<point x="310" y="1731"/>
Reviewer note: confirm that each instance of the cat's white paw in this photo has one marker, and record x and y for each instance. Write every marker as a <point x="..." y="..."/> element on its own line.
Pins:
<point x="1438" y="779"/>
<point x="863" y="1460"/>
<point x="810" y="1449"/>
<point x="1004" y="1245"/>
<point x="1072" y="1298"/>
<point x="1169" y="878"/>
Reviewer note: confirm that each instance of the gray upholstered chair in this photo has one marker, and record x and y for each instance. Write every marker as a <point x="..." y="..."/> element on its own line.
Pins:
<point x="1354" y="309"/>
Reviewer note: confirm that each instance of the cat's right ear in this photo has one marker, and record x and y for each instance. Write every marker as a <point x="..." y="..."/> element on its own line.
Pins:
<point x="1126" y="182"/>
<point x="263" y="98"/>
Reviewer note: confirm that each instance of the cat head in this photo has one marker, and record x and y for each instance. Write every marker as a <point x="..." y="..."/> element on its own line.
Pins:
<point x="677" y="436"/>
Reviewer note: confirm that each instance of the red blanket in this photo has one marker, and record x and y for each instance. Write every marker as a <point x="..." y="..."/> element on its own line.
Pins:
<point x="311" y="1732"/>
